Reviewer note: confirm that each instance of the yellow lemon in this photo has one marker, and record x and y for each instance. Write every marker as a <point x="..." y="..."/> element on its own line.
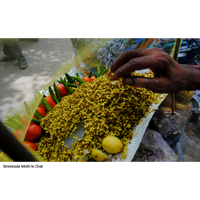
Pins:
<point x="112" y="144"/>
<point x="99" y="155"/>
<point x="180" y="106"/>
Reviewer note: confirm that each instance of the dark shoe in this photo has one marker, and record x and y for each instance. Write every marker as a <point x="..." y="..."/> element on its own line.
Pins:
<point x="23" y="65"/>
<point x="7" y="58"/>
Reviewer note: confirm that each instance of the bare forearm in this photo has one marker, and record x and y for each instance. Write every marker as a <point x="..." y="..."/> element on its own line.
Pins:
<point x="192" y="78"/>
<point x="170" y="76"/>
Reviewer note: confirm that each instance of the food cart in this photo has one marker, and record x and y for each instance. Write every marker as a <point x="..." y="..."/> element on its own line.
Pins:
<point x="67" y="129"/>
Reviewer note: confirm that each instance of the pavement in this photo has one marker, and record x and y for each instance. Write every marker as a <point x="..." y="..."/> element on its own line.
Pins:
<point x="45" y="58"/>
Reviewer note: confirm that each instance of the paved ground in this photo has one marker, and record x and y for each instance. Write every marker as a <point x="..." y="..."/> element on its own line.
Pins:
<point x="44" y="57"/>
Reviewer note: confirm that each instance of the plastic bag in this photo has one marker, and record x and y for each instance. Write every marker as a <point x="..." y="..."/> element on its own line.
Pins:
<point x="103" y="52"/>
<point x="155" y="149"/>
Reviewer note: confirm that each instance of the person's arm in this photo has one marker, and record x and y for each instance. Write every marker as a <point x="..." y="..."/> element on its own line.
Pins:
<point x="192" y="81"/>
<point x="170" y="76"/>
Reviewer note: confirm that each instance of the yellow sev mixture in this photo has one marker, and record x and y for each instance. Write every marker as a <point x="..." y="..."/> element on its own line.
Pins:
<point x="107" y="108"/>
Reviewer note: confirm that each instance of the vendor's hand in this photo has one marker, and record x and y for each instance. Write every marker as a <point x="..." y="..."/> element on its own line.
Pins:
<point x="170" y="76"/>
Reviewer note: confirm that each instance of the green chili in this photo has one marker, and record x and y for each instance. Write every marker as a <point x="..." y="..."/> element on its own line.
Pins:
<point x="72" y="85"/>
<point x="37" y="114"/>
<point x="77" y="74"/>
<point x="80" y="80"/>
<point x="18" y="117"/>
<point x="84" y="74"/>
<point x="33" y="119"/>
<point x="52" y="95"/>
<point x="57" y="92"/>
<point x="65" y="79"/>
<point x="95" y="75"/>
<point x="46" y="104"/>
<point x="90" y="74"/>
<point x="98" y="72"/>
<point x="67" y="87"/>
<point x="59" y="81"/>
<point x="12" y="125"/>
<point x="69" y="78"/>
<point x="27" y="108"/>
<point x="15" y="121"/>
<point x="105" y="71"/>
<point x="36" y="121"/>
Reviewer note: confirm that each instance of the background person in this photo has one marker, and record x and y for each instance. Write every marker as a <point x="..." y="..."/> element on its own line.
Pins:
<point x="12" y="50"/>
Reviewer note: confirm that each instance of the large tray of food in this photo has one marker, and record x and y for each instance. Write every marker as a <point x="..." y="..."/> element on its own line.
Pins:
<point x="86" y="117"/>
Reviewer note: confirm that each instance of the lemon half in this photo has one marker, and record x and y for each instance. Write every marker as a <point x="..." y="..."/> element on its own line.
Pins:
<point x="99" y="155"/>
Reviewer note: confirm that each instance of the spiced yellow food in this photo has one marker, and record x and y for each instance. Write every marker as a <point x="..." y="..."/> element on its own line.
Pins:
<point x="107" y="110"/>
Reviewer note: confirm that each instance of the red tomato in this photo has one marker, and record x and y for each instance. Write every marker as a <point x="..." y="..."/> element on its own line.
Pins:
<point x="62" y="89"/>
<point x="33" y="132"/>
<point x="77" y="83"/>
<point x="50" y="101"/>
<point x="29" y="144"/>
<point x="18" y="133"/>
<point x="41" y="111"/>
<point x="24" y="121"/>
<point x="92" y="78"/>
<point x="86" y="79"/>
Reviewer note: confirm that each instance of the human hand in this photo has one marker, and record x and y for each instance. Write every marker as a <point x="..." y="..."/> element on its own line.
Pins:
<point x="169" y="76"/>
